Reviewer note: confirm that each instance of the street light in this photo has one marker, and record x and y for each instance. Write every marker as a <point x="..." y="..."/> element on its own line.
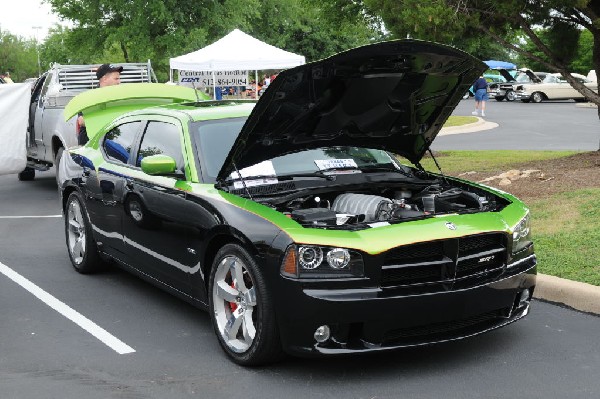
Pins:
<point x="37" y="47"/>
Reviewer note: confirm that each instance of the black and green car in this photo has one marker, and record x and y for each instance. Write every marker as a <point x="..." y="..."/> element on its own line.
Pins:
<point x="295" y="221"/>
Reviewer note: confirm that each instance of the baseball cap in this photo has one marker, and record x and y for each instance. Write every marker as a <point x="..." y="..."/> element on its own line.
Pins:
<point x="107" y="68"/>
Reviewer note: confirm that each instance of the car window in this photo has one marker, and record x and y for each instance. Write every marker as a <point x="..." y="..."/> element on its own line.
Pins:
<point x="161" y="138"/>
<point x="118" y="142"/>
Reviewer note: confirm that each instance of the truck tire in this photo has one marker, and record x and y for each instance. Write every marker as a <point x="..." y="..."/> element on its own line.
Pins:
<point x="27" y="174"/>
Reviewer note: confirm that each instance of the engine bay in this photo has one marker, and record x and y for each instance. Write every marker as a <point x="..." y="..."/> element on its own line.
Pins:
<point x="356" y="208"/>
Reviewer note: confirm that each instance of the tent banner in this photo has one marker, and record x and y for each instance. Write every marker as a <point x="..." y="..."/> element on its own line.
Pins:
<point x="14" y="116"/>
<point x="202" y="79"/>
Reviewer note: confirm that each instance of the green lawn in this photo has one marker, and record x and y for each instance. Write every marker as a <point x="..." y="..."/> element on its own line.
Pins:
<point x="487" y="161"/>
<point x="459" y="120"/>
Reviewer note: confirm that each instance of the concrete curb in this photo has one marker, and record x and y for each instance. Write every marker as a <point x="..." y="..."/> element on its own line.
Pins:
<point x="478" y="126"/>
<point x="580" y="296"/>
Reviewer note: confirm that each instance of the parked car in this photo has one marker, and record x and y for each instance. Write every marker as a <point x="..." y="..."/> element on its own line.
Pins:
<point x="490" y="78"/>
<point x="591" y="76"/>
<point x="291" y="219"/>
<point x="553" y="87"/>
<point x="506" y="90"/>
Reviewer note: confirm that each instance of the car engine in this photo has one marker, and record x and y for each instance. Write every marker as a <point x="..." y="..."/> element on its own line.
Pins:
<point x="329" y="210"/>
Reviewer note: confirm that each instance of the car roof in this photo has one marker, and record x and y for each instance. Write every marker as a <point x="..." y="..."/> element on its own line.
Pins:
<point x="202" y="110"/>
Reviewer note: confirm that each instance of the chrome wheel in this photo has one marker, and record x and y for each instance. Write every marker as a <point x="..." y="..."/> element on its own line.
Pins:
<point x="76" y="232"/>
<point x="234" y="300"/>
<point x="135" y="210"/>
<point x="511" y="96"/>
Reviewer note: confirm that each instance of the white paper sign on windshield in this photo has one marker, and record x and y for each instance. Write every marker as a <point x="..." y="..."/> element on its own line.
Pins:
<point x="325" y="164"/>
<point x="265" y="168"/>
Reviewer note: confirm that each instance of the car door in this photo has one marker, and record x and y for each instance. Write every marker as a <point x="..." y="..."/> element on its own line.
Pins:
<point x="158" y="228"/>
<point x="104" y="186"/>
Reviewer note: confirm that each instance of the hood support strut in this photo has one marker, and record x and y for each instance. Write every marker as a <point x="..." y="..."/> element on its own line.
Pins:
<point x="437" y="164"/>
<point x="243" y="181"/>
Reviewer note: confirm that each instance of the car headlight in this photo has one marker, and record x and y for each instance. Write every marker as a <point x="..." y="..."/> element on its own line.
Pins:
<point x="521" y="234"/>
<point x="313" y="261"/>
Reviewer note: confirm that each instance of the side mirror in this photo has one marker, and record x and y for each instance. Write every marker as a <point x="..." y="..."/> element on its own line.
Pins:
<point x="158" y="165"/>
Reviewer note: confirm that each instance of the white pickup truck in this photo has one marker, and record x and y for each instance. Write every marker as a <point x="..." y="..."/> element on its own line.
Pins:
<point x="48" y="134"/>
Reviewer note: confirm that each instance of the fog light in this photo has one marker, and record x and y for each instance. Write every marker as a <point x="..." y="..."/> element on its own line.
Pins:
<point x="524" y="297"/>
<point x="322" y="333"/>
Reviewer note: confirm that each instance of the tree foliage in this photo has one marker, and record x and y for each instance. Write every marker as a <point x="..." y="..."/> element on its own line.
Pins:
<point x="18" y="56"/>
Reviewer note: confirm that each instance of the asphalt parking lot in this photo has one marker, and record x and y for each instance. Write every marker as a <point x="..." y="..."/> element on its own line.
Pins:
<point x="66" y="341"/>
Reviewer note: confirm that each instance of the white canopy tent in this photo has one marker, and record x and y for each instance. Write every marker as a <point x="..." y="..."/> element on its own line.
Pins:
<point x="236" y="51"/>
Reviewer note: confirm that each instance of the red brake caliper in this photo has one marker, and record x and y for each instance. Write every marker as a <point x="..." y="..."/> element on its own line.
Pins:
<point x="232" y="305"/>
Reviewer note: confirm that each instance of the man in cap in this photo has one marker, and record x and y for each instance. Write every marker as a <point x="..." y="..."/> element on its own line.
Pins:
<point x="108" y="75"/>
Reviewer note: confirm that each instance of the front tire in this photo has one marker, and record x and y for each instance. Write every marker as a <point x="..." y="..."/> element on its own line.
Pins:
<point x="499" y="98"/>
<point x="510" y="95"/>
<point x="27" y="174"/>
<point x="241" y="308"/>
<point x="83" y="251"/>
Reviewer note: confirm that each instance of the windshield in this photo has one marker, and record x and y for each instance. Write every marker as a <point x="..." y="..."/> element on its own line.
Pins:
<point x="522" y="77"/>
<point x="214" y="139"/>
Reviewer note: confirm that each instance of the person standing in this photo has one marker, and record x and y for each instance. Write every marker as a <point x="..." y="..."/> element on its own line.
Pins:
<point x="480" y="88"/>
<point x="108" y="75"/>
<point x="7" y="78"/>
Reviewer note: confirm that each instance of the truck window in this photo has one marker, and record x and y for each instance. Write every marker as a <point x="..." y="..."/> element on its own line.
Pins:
<point x="118" y="142"/>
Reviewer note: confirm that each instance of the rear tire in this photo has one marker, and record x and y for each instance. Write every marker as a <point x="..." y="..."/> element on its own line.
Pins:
<point x="82" y="248"/>
<point x="241" y="308"/>
<point x="27" y="174"/>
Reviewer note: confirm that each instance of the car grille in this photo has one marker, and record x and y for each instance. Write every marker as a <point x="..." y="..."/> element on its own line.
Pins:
<point x="446" y="264"/>
<point x="445" y="330"/>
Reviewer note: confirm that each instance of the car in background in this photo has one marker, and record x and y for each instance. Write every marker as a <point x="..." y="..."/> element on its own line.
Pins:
<point x="506" y="90"/>
<point x="291" y="219"/>
<point x="591" y="76"/>
<point x="553" y="87"/>
<point x="490" y="78"/>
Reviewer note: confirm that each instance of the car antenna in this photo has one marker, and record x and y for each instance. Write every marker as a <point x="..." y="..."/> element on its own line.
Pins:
<point x="243" y="181"/>
<point x="437" y="164"/>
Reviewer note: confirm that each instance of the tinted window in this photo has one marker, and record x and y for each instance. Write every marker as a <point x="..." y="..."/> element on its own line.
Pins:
<point x="214" y="140"/>
<point x="118" y="142"/>
<point x="161" y="138"/>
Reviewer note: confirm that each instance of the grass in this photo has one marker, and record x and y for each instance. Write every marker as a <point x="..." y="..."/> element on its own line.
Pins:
<point x="460" y="120"/>
<point x="566" y="232"/>
<point x="487" y="161"/>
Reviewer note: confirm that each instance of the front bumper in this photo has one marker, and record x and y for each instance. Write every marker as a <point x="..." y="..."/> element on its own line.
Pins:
<point x="376" y="319"/>
<point x="522" y="95"/>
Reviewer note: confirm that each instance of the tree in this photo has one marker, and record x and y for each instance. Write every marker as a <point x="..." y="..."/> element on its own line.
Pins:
<point x="560" y="20"/>
<point x="18" y="56"/>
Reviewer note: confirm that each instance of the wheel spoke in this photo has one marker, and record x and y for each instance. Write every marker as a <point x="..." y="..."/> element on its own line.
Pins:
<point x="250" y="297"/>
<point x="78" y="248"/>
<point x="233" y="324"/>
<point x="226" y="292"/>
<point x="237" y="274"/>
<point x="74" y="226"/>
<point x="248" y="330"/>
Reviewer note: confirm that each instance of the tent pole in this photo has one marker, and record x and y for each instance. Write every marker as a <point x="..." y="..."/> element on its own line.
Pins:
<point x="256" y="83"/>
<point x="171" y="75"/>
<point x="214" y="86"/>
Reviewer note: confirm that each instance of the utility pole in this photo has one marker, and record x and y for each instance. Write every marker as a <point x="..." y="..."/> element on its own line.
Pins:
<point x="37" y="47"/>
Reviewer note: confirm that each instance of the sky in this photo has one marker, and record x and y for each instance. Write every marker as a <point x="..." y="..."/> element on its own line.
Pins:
<point x="20" y="17"/>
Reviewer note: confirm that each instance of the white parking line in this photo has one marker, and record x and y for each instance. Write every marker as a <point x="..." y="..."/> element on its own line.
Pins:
<point x="108" y="339"/>
<point x="26" y="217"/>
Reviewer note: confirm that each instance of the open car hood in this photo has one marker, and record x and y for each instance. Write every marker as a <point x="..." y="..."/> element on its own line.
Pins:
<point x="393" y="96"/>
<point x="506" y="75"/>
